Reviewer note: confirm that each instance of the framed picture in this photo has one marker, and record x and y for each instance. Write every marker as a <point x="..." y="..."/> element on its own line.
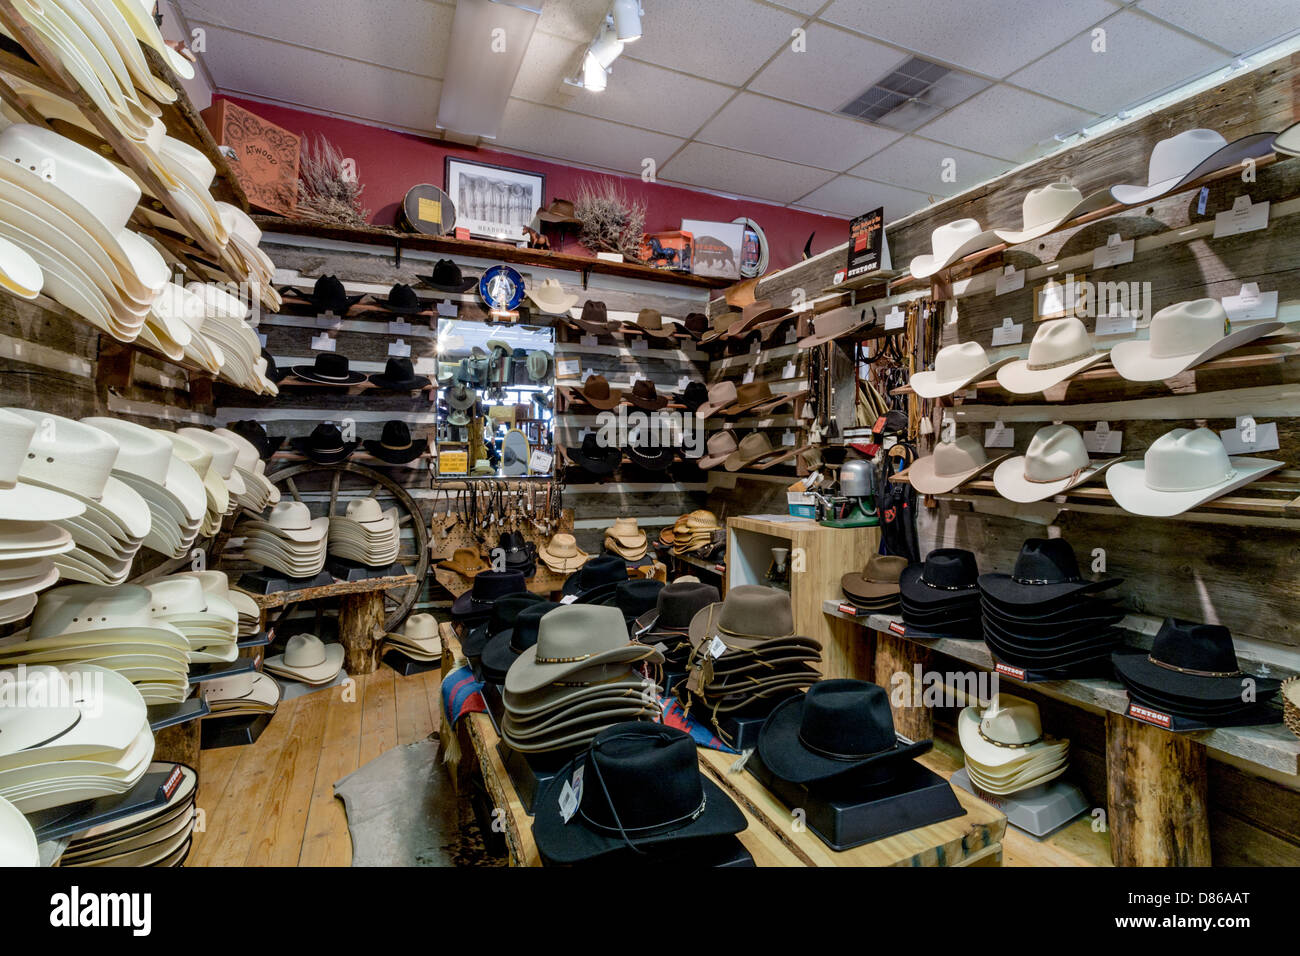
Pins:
<point x="1060" y="299"/>
<point x="492" y="201"/>
<point x="718" y="247"/>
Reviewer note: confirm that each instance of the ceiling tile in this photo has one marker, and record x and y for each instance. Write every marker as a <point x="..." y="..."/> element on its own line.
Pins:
<point x="741" y="174"/>
<point x="728" y="44"/>
<point x="770" y="127"/>
<point x="409" y="35"/>
<point x="803" y="6"/>
<point x="1142" y="57"/>
<point x="544" y="131"/>
<point x="920" y="164"/>
<point x="293" y="75"/>
<point x="849" y="196"/>
<point x="994" y="37"/>
<point x="1239" y="28"/>
<point x="573" y="19"/>
<point x="1005" y="122"/>
<point x="834" y="68"/>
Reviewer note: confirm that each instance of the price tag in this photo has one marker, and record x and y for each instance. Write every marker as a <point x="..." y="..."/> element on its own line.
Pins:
<point x="754" y="346"/>
<point x="789" y="371"/>
<point x="567" y="368"/>
<point x="568" y="599"/>
<point x="426" y="366"/>
<point x="571" y="795"/>
<point x="399" y="349"/>
<point x="1244" y="216"/>
<point x="448" y="310"/>
<point x="748" y="377"/>
<point x="1249" y="436"/>
<point x="329" y="321"/>
<point x="640" y="345"/>
<point x="716" y="647"/>
<point x="788" y="439"/>
<point x="587" y="340"/>
<point x="1117" y="323"/>
<point x="999" y="436"/>
<point x="1102" y="441"/>
<point x="400" y="327"/>
<point x="1011" y="280"/>
<point x="1115" y="252"/>
<point x="322" y="343"/>
<point x="539" y="462"/>
<point x="1202" y="200"/>
<point x="682" y="382"/>
<point x="895" y="319"/>
<point x="1008" y="333"/>
<point x="791" y="335"/>
<point x="1250" y="304"/>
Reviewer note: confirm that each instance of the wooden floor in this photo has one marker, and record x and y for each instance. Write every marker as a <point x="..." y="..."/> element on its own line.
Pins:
<point x="272" y="803"/>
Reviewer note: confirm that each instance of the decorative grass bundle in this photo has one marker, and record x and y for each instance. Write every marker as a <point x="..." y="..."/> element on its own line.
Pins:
<point x="611" y="222"/>
<point x="328" y="190"/>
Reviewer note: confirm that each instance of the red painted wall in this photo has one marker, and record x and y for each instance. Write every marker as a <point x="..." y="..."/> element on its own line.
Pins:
<point x="389" y="163"/>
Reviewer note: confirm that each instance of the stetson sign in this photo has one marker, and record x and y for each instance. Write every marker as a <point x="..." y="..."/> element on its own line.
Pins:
<point x="866" y="241"/>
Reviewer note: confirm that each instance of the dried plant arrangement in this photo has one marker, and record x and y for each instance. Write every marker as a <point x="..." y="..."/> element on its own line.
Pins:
<point x="328" y="190"/>
<point x="611" y="222"/>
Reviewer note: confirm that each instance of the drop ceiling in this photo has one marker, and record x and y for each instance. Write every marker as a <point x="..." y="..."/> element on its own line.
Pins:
<point x="718" y="96"/>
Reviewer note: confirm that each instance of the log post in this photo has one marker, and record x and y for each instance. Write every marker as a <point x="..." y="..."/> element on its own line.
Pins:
<point x="178" y="743"/>
<point x="361" y="622"/>
<point x="1155" y="795"/>
<point x="895" y="656"/>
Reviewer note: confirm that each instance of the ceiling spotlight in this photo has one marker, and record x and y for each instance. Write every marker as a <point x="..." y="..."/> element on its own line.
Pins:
<point x="606" y="47"/>
<point x="627" y="19"/>
<point x="593" y="74"/>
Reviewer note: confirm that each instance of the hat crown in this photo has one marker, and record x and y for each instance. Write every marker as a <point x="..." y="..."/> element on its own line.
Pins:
<point x="755" y="445"/>
<point x="15" y="437"/>
<point x="602" y="569"/>
<point x="644" y="388"/>
<point x="490" y="585"/>
<point x="1176" y="156"/>
<point x="196" y="456"/>
<point x="304" y="650"/>
<point x="1011" y="720"/>
<point x="1058" y="342"/>
<point x="331" y="365"/>
<point x="636" y="596"/>
<point x="78" y="608"/>
<point x="958" y="456"/>
<point x="326" y="437"/>
<point x="171" y="596"/>
<point x="88" y="178"/>
<point x="625" y="528"/>
<point x="960" y="361"/>
<point x="506" y="610"/>
<point x="528" y="623"/>
<point x="1055" y="452"/>
<point x="682" y="600"/>
<point x="1187" y="328"/>
<point x="420" y="627"/>
<point x="68" y="454"/>
<point x="753" y="392"/>
<point x="290" y="516"/>
<point x="246" y="454"/>
<point x="650" y="319"/>
<point x="395" y="434"/>
<point x="1187" y="460"/>
<point x="752" y="610"/>
<point x="563" y="546"/>
<point x="140" y="451"/>
<point x="575" y="632"/>
<point x="1045" y="561"/>
<point x="364" y="509"/>
<point x="1049" y="203"/>
<point x="884" y="568"/>
<point x="847" y="718"/>
<point x="399" y="368"/>
<point x="403" y="296"/>
<point x="593" y="311"/>
<point x="950" y="569"/>
<point x="950" y="236"/>
<point x="597" y="386"/>
<point x="223" y="451"/>
<point x="446" y="272"/>
<point x="1194" y="646"/>
<point x="722" y="393"/>
<point x="641" y="775"/>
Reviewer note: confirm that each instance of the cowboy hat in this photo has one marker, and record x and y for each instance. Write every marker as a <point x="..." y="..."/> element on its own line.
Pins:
<point x="755" y="451"/>
<point x="720" y="446"/>
<point x="1181" y="336"/>
<point x="955" y="367"/>
<point x="879" y="579"/>
<point x="952" y="464"/>
<point x="329" y="368"/>
<point x="574" y="638"/>
<point x="594" y="318"/>
<point x="562" y="555"/>
<point x="593" y="457"/>
<point x="603" y="570"/>
<point x="560" y="210"/>
<point x="503" y="613"/>
<point x="306" y="658"/>
<point x="20" y="500"/>
<point x="399" y="376"/>
<point x="1046" y="207"/>
<point x="1007" y="733"/>
<point x="447" y="277"/>
<point x="401" y="300"/>
<point x="488" y="587"/>
<point x="325" y="445"/>
<point x="836" y="324"/>
<point x="291" y="521"/>
<point x="947" y="576"/>
<point x="549" y="296"/>
<point x="950" y="242"/>
<point x="1192" y="662"/>
<point x="395" y="444"/>
<point x="461" y="398"/>
<point x="538" y="365"/>
<point x="1060" y="350"/>
<point x="1186" y="157"/>
<point x="651" y="322"/>
<point x="750" y="618"/>
<point x="1046" y="574"/>
<point x="1056" y="461"/>
<point x="675" y="607"/>
<point x="751" y="315"/>
<point x="419" y="635"/>
<point x="596" y="392"/>
<point x="328" y="296"/>
<point x="503" y="648"/>
<point x="721" y="396"/>
<point x="1182" y="469"/>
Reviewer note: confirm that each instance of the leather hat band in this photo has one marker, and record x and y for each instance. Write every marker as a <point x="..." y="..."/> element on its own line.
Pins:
<point x="1194" y="673"/>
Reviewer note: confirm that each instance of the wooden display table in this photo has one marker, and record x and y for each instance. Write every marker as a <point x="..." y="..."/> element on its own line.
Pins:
<point x="973" y="839"/>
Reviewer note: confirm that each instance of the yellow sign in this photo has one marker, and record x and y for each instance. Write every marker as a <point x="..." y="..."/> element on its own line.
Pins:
<point x="430" y="210"/>
<point x="453" y="462"/>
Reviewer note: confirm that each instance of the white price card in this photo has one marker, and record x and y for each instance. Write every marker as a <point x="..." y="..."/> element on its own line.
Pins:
<point x="567" y="368"/>
<point x="788" y="439"/>
<point x="1250" y="305"/>
<point x="322" y="343"/>
<point x="568" y="599"/>
<point x="716" y="647"/>
<point x="399" y="349"/>
<point x="1117" y="323"/>
<point x="1011" y="280"/>
<point x="539" y="462"/>
<point x="1100" y="440"/>
<point x="792" y="335"/>
<point x="261" y="337"/>
<point x="789" y="371"/>
<point x="1115" y="252"/>
<point x="571" y="795"/>
<point x="755" y="346"/>
<point x="399" y="327"/>
<point x="640" y="345"/>
<point x="448" y="309"/>
<point x="1000" y="436"/>
<point x="1249" y="436"/>
<point x="1009" y="332"/>
<point x="748" y="377"/>
<point x="895" y="319"/>
<point x="587" y="340"/>
<point x="1244" y="216"/>
<point x="426" y="366"/>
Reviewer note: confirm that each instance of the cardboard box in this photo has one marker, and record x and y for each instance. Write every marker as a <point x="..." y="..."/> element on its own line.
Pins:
<point x="717" y="249"/>
<point x="265" y="157"/>
<point x="667" y="250"/>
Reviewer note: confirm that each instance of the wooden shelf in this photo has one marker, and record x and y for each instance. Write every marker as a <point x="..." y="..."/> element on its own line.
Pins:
<point x="337" y="589"/>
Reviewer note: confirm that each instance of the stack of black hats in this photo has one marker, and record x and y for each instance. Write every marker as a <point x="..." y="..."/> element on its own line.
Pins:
<point x="1044" y="618"/>
<point x="520" y="553"/>
<point x="596" y="578"/>
<point x="474" y="606"/>
<point x="503" y="648"/>
<point x="634" y="597"/>
<point x="505" y="611"/>
<point x="1190" y="680"/>
<point x="940" y="597"/>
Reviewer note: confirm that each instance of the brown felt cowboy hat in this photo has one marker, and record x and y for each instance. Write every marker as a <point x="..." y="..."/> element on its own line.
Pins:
<point x="644" y="395"/>
<point x="752" y="315"/>
<point x="651" y="322"/>
<point x="879" y="579"/>
<point x="597" y="393"/>
<point x="835" y="324"/>
<point x="560" y="210"/>
<point x="755" y="451"/>
<point x="721" y="395"/>
<point x="594" y="318"/>
<point x="751" y="618"/>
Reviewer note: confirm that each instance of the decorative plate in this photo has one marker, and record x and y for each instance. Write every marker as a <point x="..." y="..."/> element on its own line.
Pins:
<point x="502" y="288"/>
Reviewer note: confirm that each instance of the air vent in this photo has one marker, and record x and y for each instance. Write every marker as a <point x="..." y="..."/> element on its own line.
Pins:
<point x="913" y="93"/>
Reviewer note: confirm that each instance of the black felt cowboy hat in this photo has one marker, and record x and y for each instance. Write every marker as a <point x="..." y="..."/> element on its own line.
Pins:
<point x="838" y="727"/>
<point x="505" y="611"/>
<point x="399" y="376"/>
<point x="254" y="433"/>
<point x="1192" y="662"/>
<point x="1046" y="573"/>
<point x="693" y="396"/>
<point x="592" y="457"/>
<point x="447" y="277"/>
<point x="652" y="459"/>
<point x="395" y="444"/>
<point x="488" y="587"/>
<point x="330" y="368"/>
<point x="272" y="370"/>
<point x="328" y="296"/>
<point x="520" y="554"/>
<point x="641" y="788"/>
<point x="401" y="300"/>
<point x="502" y="648"/>
<point x="602" y="570"/>
<point x="948" y="576"/>
<point x="325" y="445"/>
<point x="634" y="597"/>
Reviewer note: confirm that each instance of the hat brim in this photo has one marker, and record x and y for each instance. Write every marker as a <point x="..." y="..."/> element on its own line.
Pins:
<point x="857" y="586"/>
<point x="559" y="306"/>
<point x="649" y="404"/>
<point x="923" y="478"/>
<point x="912" y="589"/>
<point x="1088" y="204"/>
<point x="27" y="502"/>
<point x="308" y="374"/>
<point x="924" y="266"/>
<point x="1019" y="378"/>
<point x="990" y="755"/>
<point x="812" y="341"/>
<point x="1136" y="668"/>
<point x="1005" y="590"/>
<point x="709" y="409"/>
<point x="464" y="286"/>
<point x="1127" y="483"/>
<point x="1134" y="361"/>
<point x="303" y="447"/>
<point x="1200" y="708"/>
<point x="1233" y="154"/>
<point x="396" y="456"/>
<point x="326" y="670"/>
<point x="659" y="462"/>
<point x="614" y="399"/>
<point x="928" y="384"/>
<point x="527" y="675"/>
<point x="414" y="383"/>
<point x="1288" y="141"/>
<point x="1011" y="483"/>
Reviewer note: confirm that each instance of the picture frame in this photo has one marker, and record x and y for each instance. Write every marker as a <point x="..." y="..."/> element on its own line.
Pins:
<point x="493" y="202"/>
<point x="1058" y="298"/>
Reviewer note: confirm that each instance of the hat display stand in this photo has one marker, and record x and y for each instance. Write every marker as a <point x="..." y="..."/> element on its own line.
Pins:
<point x="1040" y="811"/>
<point x="152" y="791"/>
<point x="344" y="570"/>
<point x="532" y="773"/>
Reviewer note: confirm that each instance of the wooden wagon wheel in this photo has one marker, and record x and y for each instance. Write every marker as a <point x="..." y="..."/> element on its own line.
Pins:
<point x="398" y="601"/>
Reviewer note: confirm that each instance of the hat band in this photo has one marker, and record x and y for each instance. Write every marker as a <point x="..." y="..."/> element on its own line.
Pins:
<point x="652" y="830"/>
<point x="1006" y="746"/>
<point x="1232" y="473"/>
<point x="1041" y="581"/>
<point x="563" y="660"/>
<point x="326" y="448"/>
<point x="945" y="587"/>
<point x="1059" y="364"/>
<point x="384" y="444"/>
<point x="832" y="755"/>
<point x="1047" y="481"/>
<point x="1194" y="673"/>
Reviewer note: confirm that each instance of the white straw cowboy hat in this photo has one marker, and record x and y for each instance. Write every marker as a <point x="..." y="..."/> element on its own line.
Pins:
<point x="1046" y="207"/>
<point x="200" y="460"/>
<point x="1061" y="349"/>
<point x="955" y="367"/>
<point x="1183" y="468"/>
<point x="292" y="520"/>
<point x="21" y="500"/>
<point x="224" y="454"/>
<point x="953" y="463"/>
<point x="308" y="659"/>
<point x="1188" y="156"/>
<point x="1287" y="142"/>
<point x="148" y="457"/>
<point x="19" y="273"/>
<point x="550" y="297"/>
<point x="950" y="242"/>
<point x="1007" y="731"/>
<point x="77" y="724"/>
<point x="1056" y="461"/>
<point x="575" y="638"/>
<point x="419" y="631"/>
<point x="1181" y="336"/>
<point x="17" y="838"/>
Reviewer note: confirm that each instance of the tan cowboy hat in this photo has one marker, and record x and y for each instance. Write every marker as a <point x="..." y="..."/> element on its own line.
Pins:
<point x="574" y="638"/>
<point x="953" y="463"/>
<point x="721" y="396"/>
<point x="878" y="579"/>
<point x="466" y="562"/>
<point x="562" y="555"/>
<point x="308" y="659"/>
<point x="755" y="451"/>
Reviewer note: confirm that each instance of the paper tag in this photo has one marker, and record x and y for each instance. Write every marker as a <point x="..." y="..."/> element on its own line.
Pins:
<point x="789" y="371"/>
<point x="448" y="309"/>
<point x="1249" y="437"/>
<point x="571" y="795"/>
<point x="587" y="340"/>
<point x="322" y="343"/>
<point x="999" y="436"/>
<point x="539" y="462"/>
<point x="1008" y="333"/>
<point x="682" y="382"/>
<point x="426" y="366"/>
<point x="399" y="349"/>
<point x="1011" y="280"/>
<point x="748" y="377"/>
<point x="1250" y="304"/>
<point x="329" y="321"/>
<point x="1115" y="252"/>
<point x="1244" y="216"/>
<point x="1202" y="200"/>
<point x="400" y="327"/>
<point x="640" y="345"/>
<point x="898" y="627"/>
<point x="755" y="346"/>
<point x="788" y="439"/>
<point x="1149" y="716"/>
<point x="791" y="335"/>
<point x="568" y="599"/>
<point x="895" y="319"/>
<point x="716" y="647"/>
<point x="1102" y="441"/>
<point x="567" y="368"/>
<point x="1116" y="324"/>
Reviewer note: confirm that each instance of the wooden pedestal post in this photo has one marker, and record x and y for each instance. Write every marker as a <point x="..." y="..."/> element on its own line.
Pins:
<point x="1155" y="795"/>
<point x="897" y="656"/>
<point x="361" y="624"/>
<point x="180" y="743"/>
